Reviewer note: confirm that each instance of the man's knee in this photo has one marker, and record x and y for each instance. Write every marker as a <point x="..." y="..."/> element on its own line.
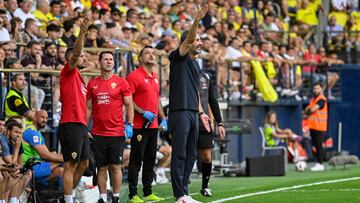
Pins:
<point x="102" y="169"/>
<point x="57" y="172"/>
<point x="83" y="165"/>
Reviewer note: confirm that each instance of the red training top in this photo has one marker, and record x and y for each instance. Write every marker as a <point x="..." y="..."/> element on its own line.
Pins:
<point x="145" y="91"/>
<point x="107" y="105"/>
<point x="72" y="96"/>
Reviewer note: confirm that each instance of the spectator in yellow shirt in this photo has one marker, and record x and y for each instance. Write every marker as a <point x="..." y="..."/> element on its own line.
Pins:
<point x="54" y="13"/>
<point x="307" y="19"/>
<point x="341" y="17"/>
<point x="42" y="9"/>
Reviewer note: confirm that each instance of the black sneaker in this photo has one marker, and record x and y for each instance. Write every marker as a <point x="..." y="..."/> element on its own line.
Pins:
<point x="115" y="199"/>
<point x="206" y="192"/>
<point x="101" y="200"/>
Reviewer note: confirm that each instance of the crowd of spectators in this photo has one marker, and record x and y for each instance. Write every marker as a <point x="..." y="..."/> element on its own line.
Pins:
<point x="281" y="34"/>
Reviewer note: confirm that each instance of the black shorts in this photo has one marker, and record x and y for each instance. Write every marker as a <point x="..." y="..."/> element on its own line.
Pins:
<point x="206" y="140"/>
<point x="74" y="142"/>
<point x="108" y="150"/>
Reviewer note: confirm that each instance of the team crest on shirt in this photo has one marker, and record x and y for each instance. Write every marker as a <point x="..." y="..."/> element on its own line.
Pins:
<point x="139" y="137"/>
<point x="113" y="85"/>
<point x="18" y="102"/>
<point x="74" y="155"/>
<point x="157" y="82"/>
<point x="146" y="80"/>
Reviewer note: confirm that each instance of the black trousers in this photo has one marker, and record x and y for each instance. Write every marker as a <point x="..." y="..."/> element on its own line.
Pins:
<point x="184" y="129"/>
<point x="143" y="150"/>
<point x="317" y="138"/>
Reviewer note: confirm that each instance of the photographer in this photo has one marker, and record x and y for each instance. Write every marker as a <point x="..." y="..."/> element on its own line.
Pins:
<point x="12" y="156"/>
<point x="34" y="147"/>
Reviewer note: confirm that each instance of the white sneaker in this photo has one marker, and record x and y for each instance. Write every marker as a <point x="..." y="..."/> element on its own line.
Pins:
<point x="318" y="167"/>
<point x="161" y="179"/>
<point x="182" y="199"/>
<point x="191" y="200"/>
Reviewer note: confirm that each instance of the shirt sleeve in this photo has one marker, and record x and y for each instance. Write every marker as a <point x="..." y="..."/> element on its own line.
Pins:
<point x="25" y="61"/>
<point x="125" y="89"/>
<point x="32" y="137"/>
<point x="17" y="105"/>
<point x="4" y="147"/>
<point x="321" y="103"/>
<point x="175" y="55"/>
<point x="88" y="94"/>
<point x="131" y="82"/>
<point x="214" y="105"/>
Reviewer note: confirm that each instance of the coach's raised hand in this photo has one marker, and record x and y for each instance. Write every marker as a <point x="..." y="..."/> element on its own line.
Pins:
<point x="85" y="25"/>
<point x="202" y="10"/>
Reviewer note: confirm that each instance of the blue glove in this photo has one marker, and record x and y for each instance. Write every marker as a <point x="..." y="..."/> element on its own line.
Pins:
<point x="164" y="124"/>
<point x="128" y="131"/>
<point x="150" y="116"/>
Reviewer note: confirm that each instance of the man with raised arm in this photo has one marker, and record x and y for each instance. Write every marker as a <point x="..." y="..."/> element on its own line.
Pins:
<point x="185" y="108"/>
<point x="72" y="132"/>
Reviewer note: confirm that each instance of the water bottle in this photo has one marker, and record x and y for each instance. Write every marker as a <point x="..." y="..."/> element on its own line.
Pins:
<point x="146" y="124"/>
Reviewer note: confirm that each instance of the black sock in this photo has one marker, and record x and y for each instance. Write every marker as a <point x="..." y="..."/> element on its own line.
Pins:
<point x="206" y="172"/>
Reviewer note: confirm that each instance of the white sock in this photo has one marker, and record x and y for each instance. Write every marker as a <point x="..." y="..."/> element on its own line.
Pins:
<point x="68" y="198"/>
<point x="73" y="193"/>
<point x="13" y="200"/>
<point x="104" y="197"/>
<point x="116" y="194"/>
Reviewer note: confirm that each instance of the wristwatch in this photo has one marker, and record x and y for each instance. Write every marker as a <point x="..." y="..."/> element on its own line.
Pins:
<point x="131" y="124"/>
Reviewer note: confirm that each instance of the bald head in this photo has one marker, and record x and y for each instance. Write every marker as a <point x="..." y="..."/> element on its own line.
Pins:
<point x="41" y="118"/>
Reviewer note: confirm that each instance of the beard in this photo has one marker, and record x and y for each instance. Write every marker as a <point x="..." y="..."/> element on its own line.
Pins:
<point x="196" y="50"/>
<point x="82" y="66"/>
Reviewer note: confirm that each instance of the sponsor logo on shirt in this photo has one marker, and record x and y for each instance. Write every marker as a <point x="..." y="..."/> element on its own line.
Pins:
<point x="103" y="98"/>
<point x="36" y="138"/>
<point x="157" y="82"/>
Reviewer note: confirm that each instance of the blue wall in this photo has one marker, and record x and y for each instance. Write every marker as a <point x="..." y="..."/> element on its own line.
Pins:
<point x="347" y="111"/>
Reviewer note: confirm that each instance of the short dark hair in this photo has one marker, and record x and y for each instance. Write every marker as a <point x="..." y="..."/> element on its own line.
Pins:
<point x="15" y="76"/>
<point x="68" y="24"/>
<point x="316" y="84"/>
<point x="29" y="21"/>
<point x="246" y="42"/>
<point x="142" y="50"/>
<point x="11" y="124"/>
<point x="55" y="2"/>
<point x="32" y="43"/>
<point x="13" y="118"/>
<point x="68" y="52"/>
<point x="93" y="27"/>
<point x="104" y="52"/>
<point x="53" y="27"/>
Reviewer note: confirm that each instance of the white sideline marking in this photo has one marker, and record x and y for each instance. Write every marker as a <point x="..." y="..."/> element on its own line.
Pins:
<point x="326" y="190"/>
<point x="284" y="188"/>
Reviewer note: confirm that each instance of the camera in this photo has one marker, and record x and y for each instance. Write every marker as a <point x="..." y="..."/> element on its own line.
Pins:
<point x="30" y="163"/>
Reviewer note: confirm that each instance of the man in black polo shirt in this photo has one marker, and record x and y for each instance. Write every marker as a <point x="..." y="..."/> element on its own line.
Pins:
<point x="184" y="108"/>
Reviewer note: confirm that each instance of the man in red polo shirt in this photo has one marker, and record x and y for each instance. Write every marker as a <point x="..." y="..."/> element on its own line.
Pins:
<point x="72" y="131"/>
<point x="106" y="96"/>
<point x="144" y="85"/>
